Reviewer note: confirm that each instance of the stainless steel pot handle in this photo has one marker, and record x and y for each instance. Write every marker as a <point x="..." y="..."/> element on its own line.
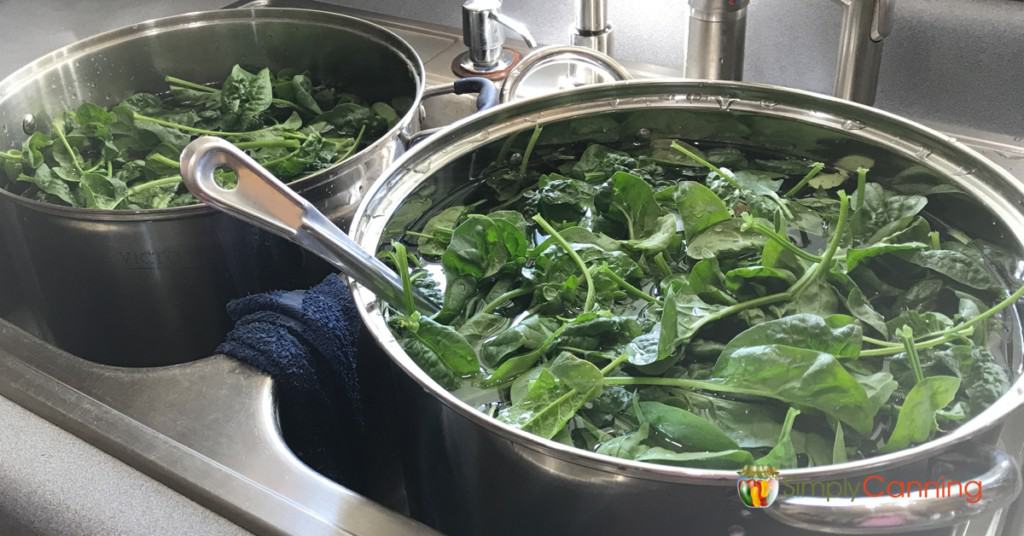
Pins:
<point x="999" y="485"/>
<point x="486" y="98"/>
<point x="263" y="200"/>
<point x="542" y="57"/>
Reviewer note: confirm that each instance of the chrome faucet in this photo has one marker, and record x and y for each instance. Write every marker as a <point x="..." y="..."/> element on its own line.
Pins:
<point x="717" y="30"/>
<point x="592" y="29"/>
<point x="483" y="32"/>
<point x="714" y="43"/>
<point x="866" y="24"/>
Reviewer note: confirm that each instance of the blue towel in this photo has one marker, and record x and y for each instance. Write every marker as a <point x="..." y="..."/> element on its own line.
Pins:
<point x="306" y="340"/>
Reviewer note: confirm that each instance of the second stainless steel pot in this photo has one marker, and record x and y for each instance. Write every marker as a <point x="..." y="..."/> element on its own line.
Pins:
<point x="470" y="474"/>
<point x="149" y="288"/>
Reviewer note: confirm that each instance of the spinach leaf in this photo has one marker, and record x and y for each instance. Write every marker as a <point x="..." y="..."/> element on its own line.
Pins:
<point x="916" y="420"/>
<point x="528" y="334"/>
<point x="985" y="378"/>
<point x="598" y="163"/>
<point x="554" y="397"/>
<point x="681" y="317"/>
<point x="632" y="203"/>
<point x="685" y="429"/>
<point x="956" y="266"/>
<point x="657" y="238"/>
<point x="839" y="446"/>
<point x="437" y="232"/>
<point x="837" y="335"/>
<point x="46" y="182"/>
<point x="481" y="246"/>
<point x="449" y="345"/>
<point x="628" y="446"/>
<point x="783" y="454"/>
<point x="799" y="376"/>
<point x="244" y="97"/>
<point x="860" y="307"/>
<point x="724" y="239"/>
<point x="699" y="207"/>
<point x="428" y="360"/>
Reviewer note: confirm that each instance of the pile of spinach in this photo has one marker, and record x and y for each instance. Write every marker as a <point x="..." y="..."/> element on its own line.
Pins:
<point x="126" y="157"/>
<point x="705" y="307"/>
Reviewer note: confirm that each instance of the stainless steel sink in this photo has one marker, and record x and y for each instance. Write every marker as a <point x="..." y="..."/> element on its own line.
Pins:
<point x="210" y="429"/>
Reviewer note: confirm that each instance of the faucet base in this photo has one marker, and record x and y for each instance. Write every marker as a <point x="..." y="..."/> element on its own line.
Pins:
<point x="463" y="66"/>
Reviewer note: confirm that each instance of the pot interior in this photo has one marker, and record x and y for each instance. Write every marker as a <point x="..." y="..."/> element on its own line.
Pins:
<point x="976" y="197"/>
<point x="202" y="47"/>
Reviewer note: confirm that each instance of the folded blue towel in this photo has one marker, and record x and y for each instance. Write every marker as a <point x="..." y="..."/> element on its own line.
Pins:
<point x="306" y="340"/>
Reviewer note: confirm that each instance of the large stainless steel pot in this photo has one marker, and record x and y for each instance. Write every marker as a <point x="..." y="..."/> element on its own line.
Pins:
<point x="149" y="287"/>
<point x="470" y="474"/>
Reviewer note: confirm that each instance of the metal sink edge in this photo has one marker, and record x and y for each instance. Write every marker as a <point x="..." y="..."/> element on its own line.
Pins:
<point x="243" y="471"/>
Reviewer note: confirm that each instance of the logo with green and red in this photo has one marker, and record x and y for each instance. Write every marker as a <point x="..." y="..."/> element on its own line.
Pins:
<point x="758" y="485"/>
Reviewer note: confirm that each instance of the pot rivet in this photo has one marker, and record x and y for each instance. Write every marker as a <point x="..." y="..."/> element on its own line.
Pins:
<point x="28" y="123"/>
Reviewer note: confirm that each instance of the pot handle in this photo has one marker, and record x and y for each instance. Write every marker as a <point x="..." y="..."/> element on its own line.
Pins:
<point x="542" y="57"/>
<point x="486" y="98"/>
<point x="261" y="199"/>
<point x="999" y="485"/>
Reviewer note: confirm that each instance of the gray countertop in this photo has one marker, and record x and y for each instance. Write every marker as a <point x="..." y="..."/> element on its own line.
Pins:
<point x="51" y="482"/>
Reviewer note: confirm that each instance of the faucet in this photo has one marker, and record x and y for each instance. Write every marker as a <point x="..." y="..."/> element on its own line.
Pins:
<point x="483" y="26"/>
<point x="592" y="29"/>
<point x="714" y="43"/>
<point x="717" y="31"/>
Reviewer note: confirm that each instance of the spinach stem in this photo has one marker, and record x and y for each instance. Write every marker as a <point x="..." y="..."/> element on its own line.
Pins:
<point x="175" y="81"/>
<point x="67" y="146"/>
<point x="401" y="258"/>
<point x="684" y="383"/>
<point x="920" y="345"/>
<point x="155" y="183"/>
<point x="743" y="306"/>
<point x="263" y="144"/>
<point x="585" y="353"/>
<point x="629" y="288"/>
<point x="529" y="150"/>
<point x="799" y="286"/>
<point x="815" y="169"/>
<point x="505" y="297"/>
<point x="588" y="304"/>
<point x="878" y="342"/>
<point x="615" y="362"/>
<point x="164" y="160"/>
<point x="862" y="179"/>
<point x="354" y="146"/>
<point x="906" y="333"/>
<point x="693" y="156"/>
<point x="749" y="223"/>
<point x="933" y="237"/>
<point x="989" y="313"/>
<point x="1008" y="301"/>
<point x="825" y="264"/>
<point x="528" y="359"/>
<point x="207" y="132"/>
<point x="418" y="234"/>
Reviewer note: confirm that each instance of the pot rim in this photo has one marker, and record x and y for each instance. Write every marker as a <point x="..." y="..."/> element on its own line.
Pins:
<point x="464" y="136"/>
<point x="54" y="59"/>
